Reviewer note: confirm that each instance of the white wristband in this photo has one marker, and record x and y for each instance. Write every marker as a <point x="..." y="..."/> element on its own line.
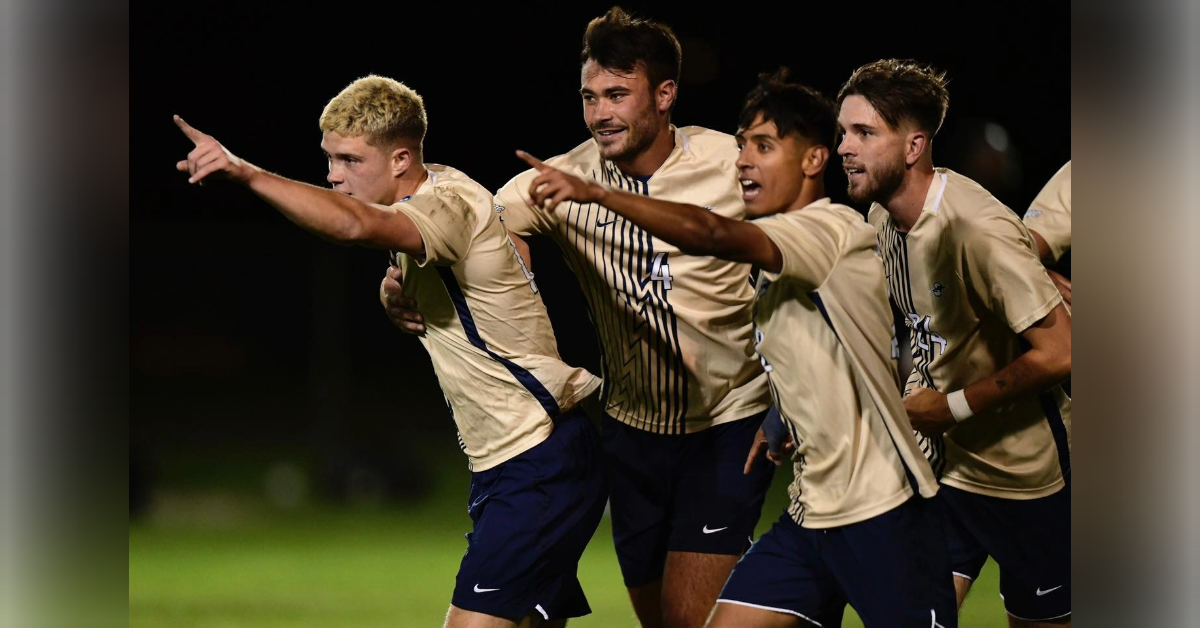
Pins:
<point x="959" y="406"/>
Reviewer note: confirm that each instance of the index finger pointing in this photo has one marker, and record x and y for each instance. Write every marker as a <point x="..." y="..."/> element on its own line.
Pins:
<point x="532" y="161"/>
<point x="192" y="134"/>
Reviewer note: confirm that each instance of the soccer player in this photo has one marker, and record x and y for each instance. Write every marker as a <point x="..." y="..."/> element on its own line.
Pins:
<point x="1049" y="222"/>
<point x="683" y="392"/>
<point x="991" y="341"/>
<point x="854" y="530"/>
<point x="538" y="485"/>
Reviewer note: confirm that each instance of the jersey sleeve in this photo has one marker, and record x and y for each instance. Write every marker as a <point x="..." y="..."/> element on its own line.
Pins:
<point x="447" y="224"/>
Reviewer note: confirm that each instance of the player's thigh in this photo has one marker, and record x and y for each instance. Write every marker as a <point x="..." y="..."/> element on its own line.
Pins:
<point x="647" y="603"/>
<point x="783" y="574"/>
<point x="895" y="567"/>
<point x="690" y="586"/>
<point x="715" y="505"/>
<point x="739" y="616"/>
<point x="962" y="586"/>
<point x="1030" y="540"/>
<point x="640" y="468"/>
<point x="1013" y="622"/>
<point x="534" y="515"/>
<point x="462" y="618"/>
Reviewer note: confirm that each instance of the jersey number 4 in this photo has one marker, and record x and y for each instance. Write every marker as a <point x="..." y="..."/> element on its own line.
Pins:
<point x="660" y="270"/>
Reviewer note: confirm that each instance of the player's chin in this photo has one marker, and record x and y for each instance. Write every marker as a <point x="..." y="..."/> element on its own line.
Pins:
<point x="858" y="192"/>
<point x="614" y="150"/>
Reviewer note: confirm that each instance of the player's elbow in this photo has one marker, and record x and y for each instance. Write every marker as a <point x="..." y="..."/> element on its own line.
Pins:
<point x="1056" y="363"/>
<point x="353" y="230"/>
<point x="705" y="236"/>
<point x="1062" y="364"/>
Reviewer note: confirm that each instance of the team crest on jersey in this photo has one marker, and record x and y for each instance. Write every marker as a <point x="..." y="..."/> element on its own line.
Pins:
<point x="937" y="289"/>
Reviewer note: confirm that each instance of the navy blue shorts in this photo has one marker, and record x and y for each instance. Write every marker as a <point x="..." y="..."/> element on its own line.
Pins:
<point x="533" y="516"/>
<point x="892" y="568"/>
<point x="1029" y="539"/>
<point x="681" y="493"/>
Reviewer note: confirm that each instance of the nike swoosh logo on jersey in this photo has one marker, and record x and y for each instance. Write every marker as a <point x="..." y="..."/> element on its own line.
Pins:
<point x="605" y="224"/>
<point x="707" y="531"/>
<point x="1040" y="592"/>
<point x="478" y="590"/>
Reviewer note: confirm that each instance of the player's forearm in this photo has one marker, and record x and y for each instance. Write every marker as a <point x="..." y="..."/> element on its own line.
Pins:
<point x="325" y="212"/>
<point x="695" y="230"/>
<point x="1043" y="248"/>
<point x="1035" y="371"/>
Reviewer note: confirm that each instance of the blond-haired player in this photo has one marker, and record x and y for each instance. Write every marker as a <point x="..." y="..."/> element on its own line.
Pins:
<point x="990" y="336"/>
<point x="538" y="486"/>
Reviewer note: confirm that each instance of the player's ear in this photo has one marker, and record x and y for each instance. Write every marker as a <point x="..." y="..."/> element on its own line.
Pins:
<point x="664" y="96"/>
<point x="916" y="145"/>
<point x="815" y="158"/>
<point x="401" y="160"/>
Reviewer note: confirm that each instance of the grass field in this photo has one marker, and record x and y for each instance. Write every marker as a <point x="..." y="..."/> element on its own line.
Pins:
<point x="226" y="560"/>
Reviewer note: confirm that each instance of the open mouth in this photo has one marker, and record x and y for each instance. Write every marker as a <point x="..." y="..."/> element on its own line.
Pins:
<point x="608" y="134"/>
<point x="854" y="172"/>
<point x="750" y="189"/>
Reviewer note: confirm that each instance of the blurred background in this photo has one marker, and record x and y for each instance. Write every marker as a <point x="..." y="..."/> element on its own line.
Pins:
<point x="291" y="459"/>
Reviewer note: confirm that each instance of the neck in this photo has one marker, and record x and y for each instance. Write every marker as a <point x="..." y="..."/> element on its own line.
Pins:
<point x="811" y="191"/>
<point x="906" y="203"/>
<point x="648" y="161"/>
<point x="408" y="182"/>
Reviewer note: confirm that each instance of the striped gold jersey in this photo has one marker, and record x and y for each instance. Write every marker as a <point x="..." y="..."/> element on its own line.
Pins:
<point x="487" y="331"/>
<point x="968" y="278"/>
<point x="676" y="331"/>
<point x="1050" y="212"/>
<point x="824" y="331"/>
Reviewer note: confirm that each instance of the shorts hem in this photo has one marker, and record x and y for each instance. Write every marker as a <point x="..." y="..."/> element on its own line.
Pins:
<point x="1015" y="616"/>
<point x="770" y="608"/>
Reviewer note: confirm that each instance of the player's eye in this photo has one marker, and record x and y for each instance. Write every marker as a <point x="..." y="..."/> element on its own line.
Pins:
<point x="740" y="147"/>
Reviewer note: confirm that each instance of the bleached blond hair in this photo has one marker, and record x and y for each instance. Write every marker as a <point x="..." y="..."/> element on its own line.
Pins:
<point x="384" y="111"/>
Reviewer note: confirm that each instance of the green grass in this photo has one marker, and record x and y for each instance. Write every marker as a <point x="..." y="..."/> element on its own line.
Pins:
<point x="225" y="562"/>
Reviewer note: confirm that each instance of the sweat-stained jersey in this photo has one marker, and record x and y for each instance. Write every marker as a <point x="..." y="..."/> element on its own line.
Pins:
<point x="676" y="331"/>
<point x="1050" y="212"/>
<point x="487" y="331"/>
<point x="968" y="277"/>
<point x="825" y="337"/>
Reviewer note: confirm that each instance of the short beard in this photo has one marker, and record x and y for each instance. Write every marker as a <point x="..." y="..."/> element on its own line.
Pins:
<point x="884" y="185"/>
<point x="641" y="135"/>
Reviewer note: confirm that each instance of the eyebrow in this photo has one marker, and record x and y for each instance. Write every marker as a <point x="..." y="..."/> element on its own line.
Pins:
<point x="858" y="127"/>
<point x="607" y="92"/>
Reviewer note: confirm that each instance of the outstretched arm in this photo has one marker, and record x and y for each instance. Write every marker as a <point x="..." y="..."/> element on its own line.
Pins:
<point x="695" y="230"/>
<point x="323" y="211"/>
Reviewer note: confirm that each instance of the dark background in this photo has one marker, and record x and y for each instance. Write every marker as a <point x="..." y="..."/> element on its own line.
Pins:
<point x="260" y="352"/>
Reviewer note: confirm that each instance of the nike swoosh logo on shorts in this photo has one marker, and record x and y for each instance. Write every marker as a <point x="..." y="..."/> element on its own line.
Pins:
<point x="1040" y="592"/>
<point x="478" y="590"/>
<point x="707" y="531"/>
